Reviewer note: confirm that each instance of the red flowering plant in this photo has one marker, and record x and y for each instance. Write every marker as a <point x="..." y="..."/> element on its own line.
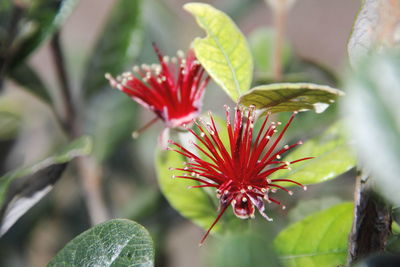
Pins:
<point x="173" y="89"/>
<point x="240" y="171"/>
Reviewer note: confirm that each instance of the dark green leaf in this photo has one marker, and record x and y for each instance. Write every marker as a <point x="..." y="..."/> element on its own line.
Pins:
<point x="372" y="105"/>
<point x="114" y="243"/>
<point x="279" y="97"/>
<point x="224" y="53"/>
<point x="25" y="76"/>
<point x="111" y="118"/>
<point x="23" y="188"/>
<point x="119" y="44"/>
<point x="319" y="240"/>
<point x="44" y="18"/>
<point x="333" y="156"/>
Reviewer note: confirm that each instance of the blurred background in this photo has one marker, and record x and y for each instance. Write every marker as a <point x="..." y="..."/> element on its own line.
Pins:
<point x="317" y="33"/>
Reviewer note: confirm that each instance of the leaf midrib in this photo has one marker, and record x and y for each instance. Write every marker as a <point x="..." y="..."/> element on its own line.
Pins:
<point x="295" y="256"/>
<point x="219" y="45"/>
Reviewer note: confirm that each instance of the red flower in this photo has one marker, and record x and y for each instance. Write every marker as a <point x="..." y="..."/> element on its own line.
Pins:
<point x="173" y="90"/>
<point x="239" y="172"/>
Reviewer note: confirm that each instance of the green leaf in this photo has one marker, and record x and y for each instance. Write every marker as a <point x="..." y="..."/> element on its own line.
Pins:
<point x="23" y="188"/>
<point x="10" y="117"/>
<point x="110" y="119"/>
<point x="261" y="43"/>
<point x="279" y="97"/>
<point x="224" y="53"/>
<point x="44" y="18"/>
<point x="9" y="125"/>
<point x="27" y="77"/>
<point x="374" y="29"/>
<point x="119" y="44"/>
<point x="244" y="249"/>
<point x="333" y="156"/>
<point x="372" y="106"/>
<point x="193" y="204"/>
<point x="319" y="240"/>
<point x="118" y="242"/>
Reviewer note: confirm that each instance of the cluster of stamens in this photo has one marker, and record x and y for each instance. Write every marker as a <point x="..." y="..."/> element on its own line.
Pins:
<point x="241" y="171"/>
<point x="172" y="89"/>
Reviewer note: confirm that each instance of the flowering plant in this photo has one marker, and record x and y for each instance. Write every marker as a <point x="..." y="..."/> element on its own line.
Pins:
<point x="231" y="175"/>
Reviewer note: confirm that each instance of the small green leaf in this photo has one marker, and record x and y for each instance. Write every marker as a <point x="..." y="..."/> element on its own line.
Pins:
<point x="319" y="240"/>
<point x="372" y="107"/>
<point x="27" y="77"/>
<point x="279" y="97"/>
<point x="23" y="188"/>
<point x="110" y="119"/>
<point x="193" y="204"/>
<point x="224" y="53"/>
<point x="374" y="29"/>
<point x="118" y="242"/>
<point x="119" y="44"/>
<point x="261" y="43"/>
<point x="333" y="156"/>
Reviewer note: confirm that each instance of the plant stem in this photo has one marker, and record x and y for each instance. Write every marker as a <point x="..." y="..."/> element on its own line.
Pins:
<point x="280" y="13"/>
<point x="372" y="221"/>
<point x="70" y="120"/>
<point x="88" y="170"/>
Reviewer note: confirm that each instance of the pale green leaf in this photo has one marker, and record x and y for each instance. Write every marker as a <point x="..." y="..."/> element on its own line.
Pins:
<point x="224" y="53"/>
<point x="375" y="29"/>
<point x="9" y="125"/>
<point x="372" y="106"/>
<point x="279" y="97"/>
<point x="118" y="242"/>
<point x="333" y="156"/>
<point x="193" y="204"/>
<point x="319" y="240"/>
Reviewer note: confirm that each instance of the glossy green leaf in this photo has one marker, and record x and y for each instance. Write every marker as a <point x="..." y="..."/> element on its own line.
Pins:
<point x="41" y="20"/>
<point x="23" y="188"/>
<point x="279" y="97"/>
<point x="333" y="156"/>
<point x="224" y="53"/>
<point x="319" y="240"/>
<point x="25" y="76"/>
<point x="118" y="242"/>
<point x="118" y="44"/>
<point x="193" y="204"/>
<point x="110" y="119"/>
<point x="261" y="43"/>
<point x="372" y="107"/>
<point x="374" y="29"/>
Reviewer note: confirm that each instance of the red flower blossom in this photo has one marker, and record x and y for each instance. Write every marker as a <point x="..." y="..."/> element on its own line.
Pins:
<point x="239" y="172"/>
<point x="173" y="89"/>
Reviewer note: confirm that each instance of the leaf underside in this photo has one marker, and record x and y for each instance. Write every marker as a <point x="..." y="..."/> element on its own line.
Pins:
<point x="280" y="97"/>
